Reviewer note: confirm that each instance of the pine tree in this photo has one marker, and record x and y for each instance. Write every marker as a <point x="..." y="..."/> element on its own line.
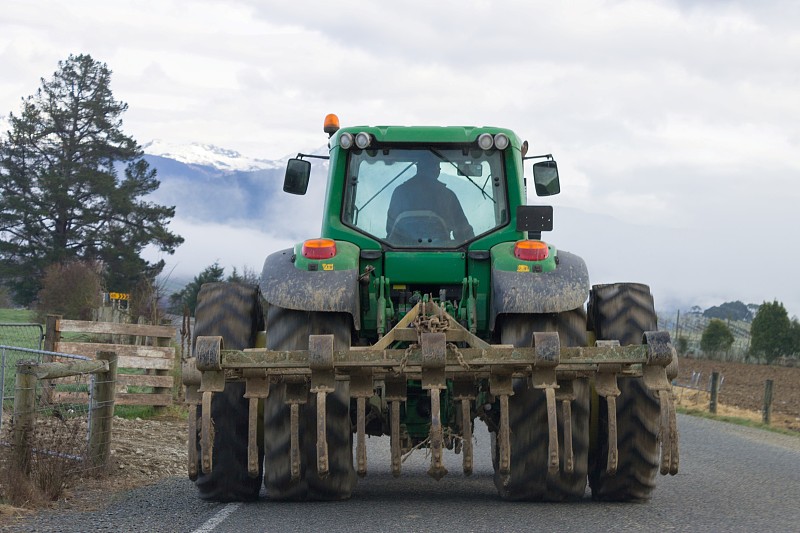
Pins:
<point x="62" y="196"/>
<point x="187" y="297"/>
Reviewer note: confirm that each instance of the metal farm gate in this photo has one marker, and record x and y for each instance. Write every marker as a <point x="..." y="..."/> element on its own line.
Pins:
<point x="26" y="336"/>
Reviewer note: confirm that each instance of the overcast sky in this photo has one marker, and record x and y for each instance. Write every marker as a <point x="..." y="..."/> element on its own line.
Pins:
<point x="675" y="122"/>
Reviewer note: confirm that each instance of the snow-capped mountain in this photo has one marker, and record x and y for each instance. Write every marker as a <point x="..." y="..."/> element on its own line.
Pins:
<point x="221" y="186"/>
<point x="208" y="155"/>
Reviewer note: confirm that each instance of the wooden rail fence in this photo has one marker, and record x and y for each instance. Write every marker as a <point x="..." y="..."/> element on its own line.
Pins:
<point x="147" y="364"/>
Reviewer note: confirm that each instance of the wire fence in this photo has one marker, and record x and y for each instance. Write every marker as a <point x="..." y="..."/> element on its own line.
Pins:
<point x="55" y="421"/>
<point x="696" y="382"/>
<point x="687" y="333"/>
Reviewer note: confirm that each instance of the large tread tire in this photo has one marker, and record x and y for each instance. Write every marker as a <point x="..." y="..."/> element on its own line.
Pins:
<point x="232" y="311"/>
<point x="529" y="479"/>
<point x="624" y="311"/>
<point x="289" y="330"/>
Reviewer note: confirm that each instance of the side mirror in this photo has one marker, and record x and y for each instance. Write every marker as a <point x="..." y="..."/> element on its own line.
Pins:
<point x="296" y="179"/>
<point x="545" y="177"/>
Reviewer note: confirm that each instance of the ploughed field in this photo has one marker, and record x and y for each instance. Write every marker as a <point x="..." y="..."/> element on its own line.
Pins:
<point x="742" y="390"/>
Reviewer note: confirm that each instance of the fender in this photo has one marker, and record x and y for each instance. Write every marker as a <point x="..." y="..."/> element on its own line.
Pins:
<point x="285" y="285"/>
<point x="563" y="289"/>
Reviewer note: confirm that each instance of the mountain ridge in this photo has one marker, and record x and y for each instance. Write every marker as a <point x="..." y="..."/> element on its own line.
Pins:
<point x="208" y="155"/>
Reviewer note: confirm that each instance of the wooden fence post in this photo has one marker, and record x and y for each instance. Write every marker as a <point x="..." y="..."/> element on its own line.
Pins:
<point x="712" y="405"/>
<point x="103" y="411"/>
<point x="51" y="333"/>
<point x="24" y="415"/>
<point x="52" y="336"/>
<point x="767" y="413"/>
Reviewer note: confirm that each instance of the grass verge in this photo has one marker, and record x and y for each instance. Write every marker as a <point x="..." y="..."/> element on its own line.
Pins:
<point x="738" y="421"/>
<point x="132" y="412"/>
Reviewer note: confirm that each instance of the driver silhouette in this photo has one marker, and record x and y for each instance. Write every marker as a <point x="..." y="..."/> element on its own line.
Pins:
<point x="423" y="209"/>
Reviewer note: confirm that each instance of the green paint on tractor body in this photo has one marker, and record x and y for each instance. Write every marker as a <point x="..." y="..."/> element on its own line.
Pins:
<point x="452" y="266"/>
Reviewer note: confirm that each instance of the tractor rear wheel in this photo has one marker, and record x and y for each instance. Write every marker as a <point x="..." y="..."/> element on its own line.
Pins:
<point x="288" y="329"/>
<point x="529" y="478"/>
<point x="624" y="311"/>
<point x="232" y="311"/>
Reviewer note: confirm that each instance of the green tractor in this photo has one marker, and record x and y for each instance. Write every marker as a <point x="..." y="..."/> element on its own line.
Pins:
<point x="428" y="301"/>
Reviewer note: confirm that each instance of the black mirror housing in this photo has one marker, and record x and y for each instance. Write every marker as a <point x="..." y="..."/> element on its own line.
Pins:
<point x="297" y="175"/>
<point x="545" y="178"/>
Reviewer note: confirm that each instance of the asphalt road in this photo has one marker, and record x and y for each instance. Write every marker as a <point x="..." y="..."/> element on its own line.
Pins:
<point x="731" y="479"/>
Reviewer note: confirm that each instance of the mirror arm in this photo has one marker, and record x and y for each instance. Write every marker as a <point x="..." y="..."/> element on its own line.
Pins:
<point x="301" y="156"/>
<point x="545" y="156"/>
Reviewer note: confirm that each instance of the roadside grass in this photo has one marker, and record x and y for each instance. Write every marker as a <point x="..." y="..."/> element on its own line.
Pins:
<point x="737" y="421"/>
<point x="132" y="412"/>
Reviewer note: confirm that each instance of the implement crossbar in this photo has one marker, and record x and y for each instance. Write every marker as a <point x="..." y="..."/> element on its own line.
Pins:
<point x="497" y="355"/>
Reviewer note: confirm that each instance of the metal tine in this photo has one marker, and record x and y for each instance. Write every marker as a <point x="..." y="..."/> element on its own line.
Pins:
<point x="669" y="432"/>
<point x="206" y="438"/>
<point x="322" y="435"/>
<point x="504" y="438"/>
<point x="192" y="443"/>
<point x="361" y="444"/>
<point x="193" y="400"/>
<point x="395" y="438"/>
<point x="613" y="454"/>
<point x="294" y="449"/>
<point x="666" y="447"/>
<point x="437" y="470"/>
<point x="606" y="386"/>
<point x="466" y="425"/>
<point x="252" y="439"/>
<point x="552" y="426"/>
<point x="673" y="426"/>
<point x="569" y="460"/>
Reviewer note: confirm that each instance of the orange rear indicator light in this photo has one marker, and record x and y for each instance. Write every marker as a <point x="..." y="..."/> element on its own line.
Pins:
<point x="319" y="249"/>
<point x="531" y="250"/>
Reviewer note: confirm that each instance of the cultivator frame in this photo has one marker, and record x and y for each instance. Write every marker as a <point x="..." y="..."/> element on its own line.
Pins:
<point x="440" y="349"/>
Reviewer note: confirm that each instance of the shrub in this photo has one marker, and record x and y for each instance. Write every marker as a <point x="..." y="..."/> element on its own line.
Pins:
<point x="71" y="289"/>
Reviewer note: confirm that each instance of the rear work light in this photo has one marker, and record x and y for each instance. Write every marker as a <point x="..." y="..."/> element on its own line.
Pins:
<point x="531" y="250"/>
<point x="319" y="249"/>
<point x="346" y="140"/>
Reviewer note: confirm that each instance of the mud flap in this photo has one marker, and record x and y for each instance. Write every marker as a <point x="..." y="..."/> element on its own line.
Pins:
<point x="563" y="289"/>
<point x="286" y="286"/>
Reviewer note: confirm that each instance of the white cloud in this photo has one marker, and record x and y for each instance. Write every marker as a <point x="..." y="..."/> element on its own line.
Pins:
<point x="666" y="112"/>
<point x="229" y="245"/>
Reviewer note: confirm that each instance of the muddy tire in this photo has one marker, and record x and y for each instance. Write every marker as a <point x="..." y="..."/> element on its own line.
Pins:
<point x="232" y="311"/>
<point x="289" y="330"/>
<point x="625" y="311"/>
<point x="529" y="479"/>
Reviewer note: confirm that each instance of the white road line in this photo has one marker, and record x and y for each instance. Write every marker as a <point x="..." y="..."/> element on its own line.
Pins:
<point x="217" y="519"/>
